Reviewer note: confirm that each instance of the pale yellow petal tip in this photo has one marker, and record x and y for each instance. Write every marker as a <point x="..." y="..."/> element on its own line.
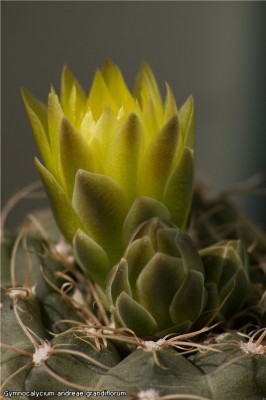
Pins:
<point x="108" y="65"/>
<point x="66" y="72"/>
<point x="190" y="101"/>
<point x="145" y="67"/>
<point x="28" y="97"/>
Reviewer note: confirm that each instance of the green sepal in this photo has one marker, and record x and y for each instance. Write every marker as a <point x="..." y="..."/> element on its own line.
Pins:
<point x="101" y="204"/>
<point x="137" y="255"/>
<point x="55" y="115"/>
<point x="75" y="154"/>
<point x="134" y="316"/>
<point x="91" y="257"/>
<point x="189" y="300"/>
<point x="157" y="284"/>
<point x="226" y="265"/>
<point x="65" y="216"/>
<point x="118" y="281"/>
<point x="178" y="191"/>
<point x="213" y="301"/>
<point x="142" y="209"/>
<point x="234" y="293"/>
<point x="211" y="312"/>
<point x="188" y="253"/>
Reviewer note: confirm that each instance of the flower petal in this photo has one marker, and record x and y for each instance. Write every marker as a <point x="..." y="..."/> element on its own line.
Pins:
<point x="73" y="97"/>
<point x="170" y="108"/>
<point x="187" y="122"/>
<point x="158" y="159"/>
<point x="37" y="114"/>
<point x="123" y="155"/>
<point x="146" y="89"/>
<point x="100" y="96"/>
<point x="117" y="86"/>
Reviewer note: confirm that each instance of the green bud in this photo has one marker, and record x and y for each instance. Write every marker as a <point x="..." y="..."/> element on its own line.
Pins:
<point x="158" y="286"/>
<point x="226" y="275"/>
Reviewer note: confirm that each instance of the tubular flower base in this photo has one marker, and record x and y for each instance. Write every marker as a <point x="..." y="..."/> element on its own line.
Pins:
<point x="103" y="151"/>
<point x="162" y="285"/>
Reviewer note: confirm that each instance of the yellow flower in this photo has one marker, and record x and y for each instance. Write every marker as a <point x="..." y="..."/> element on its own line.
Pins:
<point x="112" y="158"/>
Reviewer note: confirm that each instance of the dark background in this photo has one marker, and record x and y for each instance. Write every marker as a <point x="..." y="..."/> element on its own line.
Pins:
<point x="213" y="50"/>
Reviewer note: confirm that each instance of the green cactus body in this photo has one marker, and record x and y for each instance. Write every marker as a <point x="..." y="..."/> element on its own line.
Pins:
<point x="206" y="376"/>
<point x="33" y="361"/>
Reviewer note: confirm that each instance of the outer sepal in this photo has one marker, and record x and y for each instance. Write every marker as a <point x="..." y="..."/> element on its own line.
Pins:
<point x="91" y="257"/>
<point x="134" y="316"/>
<point x="142" y="209"/>
<point x="226" y="266"/>
<point x="101" y="204"/>
<point x="65" y="216"/>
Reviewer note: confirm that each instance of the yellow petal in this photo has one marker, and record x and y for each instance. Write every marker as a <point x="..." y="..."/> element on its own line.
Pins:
<point x="146" y="88"/>
<point x="73" y="98"/>
<point x="117" y="86"/>
<point x="99" y="97"/>
<point x="158" y="160"/>
<point x="170" y="108"/>
<point x="101" y="136"/>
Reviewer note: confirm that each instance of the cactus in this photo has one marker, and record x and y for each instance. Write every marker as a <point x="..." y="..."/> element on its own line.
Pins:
<point x="32" y="358"/>
<point x="139" y="292"/>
